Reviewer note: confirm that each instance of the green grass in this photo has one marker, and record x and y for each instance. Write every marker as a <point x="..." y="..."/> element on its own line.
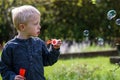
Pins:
<point x="98" y="68"/>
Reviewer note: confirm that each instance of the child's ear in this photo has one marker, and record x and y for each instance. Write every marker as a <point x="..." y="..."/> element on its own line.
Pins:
<point x="21" y="27"/>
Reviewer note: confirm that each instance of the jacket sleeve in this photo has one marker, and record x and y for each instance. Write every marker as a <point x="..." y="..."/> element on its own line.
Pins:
<point x="50" y="56"/>
<point x="6" y="64"/>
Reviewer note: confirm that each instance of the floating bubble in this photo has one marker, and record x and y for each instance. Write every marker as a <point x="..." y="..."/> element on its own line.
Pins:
<point x="100" y="41"/>
<point x="109" y="27"/>
<point x="86" y="33"/>
<point x="117" y="21"/>
<point x="111" y="14"/>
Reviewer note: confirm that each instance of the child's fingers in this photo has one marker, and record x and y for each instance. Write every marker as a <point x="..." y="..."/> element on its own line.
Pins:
<point x="19" y="77"/>
<point x="60" y="42"/>
<point x="56" y="46"/>
<point x="54" y="42"/>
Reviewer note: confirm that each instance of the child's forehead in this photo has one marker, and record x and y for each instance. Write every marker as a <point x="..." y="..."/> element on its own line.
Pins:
<point x="34" y="17"/>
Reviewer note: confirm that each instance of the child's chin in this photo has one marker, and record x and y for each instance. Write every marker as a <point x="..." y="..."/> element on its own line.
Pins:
<point x="35" y="35"/>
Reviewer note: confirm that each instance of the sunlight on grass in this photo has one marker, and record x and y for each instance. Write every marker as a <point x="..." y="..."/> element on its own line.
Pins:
<point x="98" y="68"/>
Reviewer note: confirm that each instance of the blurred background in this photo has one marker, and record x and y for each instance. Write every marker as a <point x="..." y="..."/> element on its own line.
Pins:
<point x="79" y="23"/>
<point x="83" y="26"/>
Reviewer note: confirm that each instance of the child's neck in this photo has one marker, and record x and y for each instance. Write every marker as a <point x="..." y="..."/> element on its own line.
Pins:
<point x="22" y="36"/>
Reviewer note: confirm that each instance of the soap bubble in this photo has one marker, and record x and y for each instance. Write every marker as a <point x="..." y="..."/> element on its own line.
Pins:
<point x="109" y="27"/>
<point x="100" y="41"/>
<point x="117" y="21"/>
<point x="111" y="14"/>
<point x="86" y="33"/>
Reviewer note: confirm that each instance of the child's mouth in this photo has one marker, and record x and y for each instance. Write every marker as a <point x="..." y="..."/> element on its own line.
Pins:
<point x="38" y="32"/>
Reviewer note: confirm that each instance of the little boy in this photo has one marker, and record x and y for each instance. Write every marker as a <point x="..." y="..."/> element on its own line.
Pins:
<point x="26" y="51"/>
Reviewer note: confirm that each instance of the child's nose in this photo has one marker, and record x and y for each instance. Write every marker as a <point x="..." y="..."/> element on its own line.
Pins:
<point x="39" y="27"/>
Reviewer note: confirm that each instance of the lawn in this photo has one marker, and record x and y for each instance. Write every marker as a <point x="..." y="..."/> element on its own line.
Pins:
<point x="98" y="68"/>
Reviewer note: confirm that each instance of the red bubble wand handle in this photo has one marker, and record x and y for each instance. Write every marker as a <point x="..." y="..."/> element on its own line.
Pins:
<point x="22" y="72"/>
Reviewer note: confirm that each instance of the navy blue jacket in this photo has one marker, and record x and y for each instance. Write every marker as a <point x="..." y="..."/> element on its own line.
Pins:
<point x="30" y="54"/>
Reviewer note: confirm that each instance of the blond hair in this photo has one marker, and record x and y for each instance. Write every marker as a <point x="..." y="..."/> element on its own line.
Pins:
<point x="22" y="14"/>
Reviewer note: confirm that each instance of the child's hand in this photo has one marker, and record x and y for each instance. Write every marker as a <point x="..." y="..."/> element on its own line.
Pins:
<point x="19" y="77"/>
<point x="57" y="43"/>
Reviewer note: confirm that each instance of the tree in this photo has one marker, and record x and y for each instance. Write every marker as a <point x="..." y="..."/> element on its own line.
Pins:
<point x="6" y="29"/>
<point x="65" y="19"/>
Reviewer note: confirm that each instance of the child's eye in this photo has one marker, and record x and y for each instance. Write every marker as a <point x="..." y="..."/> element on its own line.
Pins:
<point x="36" y="23"/>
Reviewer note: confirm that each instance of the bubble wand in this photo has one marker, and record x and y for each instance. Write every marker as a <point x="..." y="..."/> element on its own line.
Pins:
<point x="22" y="72"/>
<point x="53" y="41"/>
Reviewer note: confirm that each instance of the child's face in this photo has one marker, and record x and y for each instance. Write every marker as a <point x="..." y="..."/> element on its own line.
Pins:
<point x="32" y="28"/>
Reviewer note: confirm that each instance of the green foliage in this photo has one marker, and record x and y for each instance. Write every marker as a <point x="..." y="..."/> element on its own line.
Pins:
<point x="65" y="19"/>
